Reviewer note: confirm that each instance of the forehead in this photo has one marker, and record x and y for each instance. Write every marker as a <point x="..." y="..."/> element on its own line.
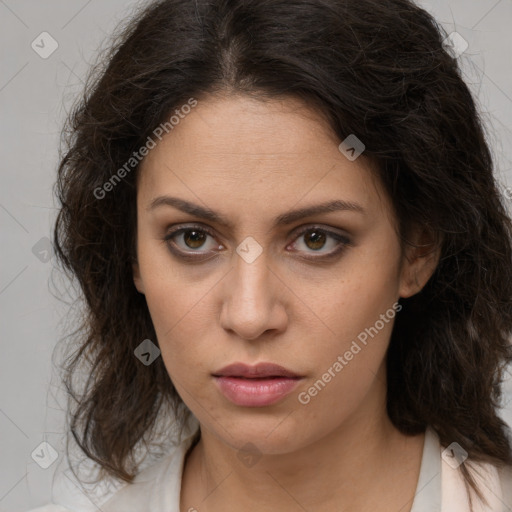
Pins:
<point x="253" y="152"/>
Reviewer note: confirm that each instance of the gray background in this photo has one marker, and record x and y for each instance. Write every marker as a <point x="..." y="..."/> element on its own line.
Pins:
<point x="35" y="94"/>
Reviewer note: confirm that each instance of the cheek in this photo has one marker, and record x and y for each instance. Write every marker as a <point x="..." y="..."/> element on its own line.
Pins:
<point x="176" y="316"/>
<point x="182" y="319"/>
<point x="348" y="372"/>
<point x="365" y="288"/>
<point x="359" y="310"/>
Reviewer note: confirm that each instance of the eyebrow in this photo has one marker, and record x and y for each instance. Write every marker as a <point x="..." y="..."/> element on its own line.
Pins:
<point x="283" y="219"/>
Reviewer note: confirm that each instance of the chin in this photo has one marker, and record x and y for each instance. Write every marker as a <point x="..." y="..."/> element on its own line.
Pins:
<point x="270" y="435"/>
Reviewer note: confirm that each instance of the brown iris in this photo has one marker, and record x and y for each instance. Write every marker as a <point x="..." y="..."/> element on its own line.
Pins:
<point x="316" y="238"/>
<point x="194" y="239"/>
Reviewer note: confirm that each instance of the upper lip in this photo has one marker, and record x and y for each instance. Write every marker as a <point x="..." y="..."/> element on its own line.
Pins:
<point x="258" y="371"/>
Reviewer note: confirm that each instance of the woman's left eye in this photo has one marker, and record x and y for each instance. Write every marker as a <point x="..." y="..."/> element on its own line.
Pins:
<point x="184" y="241"/>
<point x="315" y="239"/>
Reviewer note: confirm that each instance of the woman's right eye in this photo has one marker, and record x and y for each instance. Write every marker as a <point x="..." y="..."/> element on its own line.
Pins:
<point x="187" y="241"/>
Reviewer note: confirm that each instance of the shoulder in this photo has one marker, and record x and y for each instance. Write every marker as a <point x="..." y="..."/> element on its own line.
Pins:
<point x="156" y="484"/>
<point x="494" y="483"/>
<point x="157" y="488"/>
<point x="505" y="477"/>
<point x="136" y="496"/>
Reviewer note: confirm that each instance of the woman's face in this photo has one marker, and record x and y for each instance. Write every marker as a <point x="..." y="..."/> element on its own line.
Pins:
<point x="256" y="282"/>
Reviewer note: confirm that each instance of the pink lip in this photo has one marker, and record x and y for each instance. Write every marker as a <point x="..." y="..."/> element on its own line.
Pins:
<point x="255" y="392"/>
<point x="260" y="370"/>
<point x="255" y="386"/>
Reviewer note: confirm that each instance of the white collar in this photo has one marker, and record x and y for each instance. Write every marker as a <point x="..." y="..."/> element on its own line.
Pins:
<point x="440" y="487"/>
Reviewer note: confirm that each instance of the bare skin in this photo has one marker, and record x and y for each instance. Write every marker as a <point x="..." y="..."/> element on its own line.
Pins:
<point x="294" y="305"/>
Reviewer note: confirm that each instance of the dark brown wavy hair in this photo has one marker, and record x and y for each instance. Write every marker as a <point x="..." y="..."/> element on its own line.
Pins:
<point x="374" y="68"/>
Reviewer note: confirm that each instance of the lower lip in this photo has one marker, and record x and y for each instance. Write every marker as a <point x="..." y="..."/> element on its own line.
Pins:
<point x="256" y="392"/>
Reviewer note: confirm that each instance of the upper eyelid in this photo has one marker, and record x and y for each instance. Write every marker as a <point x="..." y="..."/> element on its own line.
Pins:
<point x="296" y="232"/>
<point x="181" y="228"/>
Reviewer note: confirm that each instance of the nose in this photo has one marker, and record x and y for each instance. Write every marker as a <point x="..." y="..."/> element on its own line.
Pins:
<point x="253" y="302"/>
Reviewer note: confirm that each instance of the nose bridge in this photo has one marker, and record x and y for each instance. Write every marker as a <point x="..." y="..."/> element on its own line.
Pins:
<point x="250" y="305"/>
<point x="250" y="278"/>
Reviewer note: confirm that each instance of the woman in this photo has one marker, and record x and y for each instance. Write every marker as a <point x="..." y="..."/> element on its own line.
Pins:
<point x="283" y="218"/>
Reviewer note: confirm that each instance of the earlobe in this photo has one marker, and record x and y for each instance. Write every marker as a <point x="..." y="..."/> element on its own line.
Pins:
<point x="137" y="279"/>
<point x="420" y="262"/>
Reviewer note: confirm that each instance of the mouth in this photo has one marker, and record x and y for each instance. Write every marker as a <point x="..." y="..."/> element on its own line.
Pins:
<point x="255" y="386"/>
<point x="259" y="371"/>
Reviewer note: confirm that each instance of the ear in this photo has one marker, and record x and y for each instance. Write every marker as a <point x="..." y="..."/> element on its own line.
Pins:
<point x="137" y="279"/>
<point x="422" y="253"/>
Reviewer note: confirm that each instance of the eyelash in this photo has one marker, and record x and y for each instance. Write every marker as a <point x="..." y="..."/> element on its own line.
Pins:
<point x="344" y="242"/>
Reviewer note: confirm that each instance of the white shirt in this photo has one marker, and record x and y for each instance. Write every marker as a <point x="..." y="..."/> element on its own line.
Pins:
<point x="440" y="486"/>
